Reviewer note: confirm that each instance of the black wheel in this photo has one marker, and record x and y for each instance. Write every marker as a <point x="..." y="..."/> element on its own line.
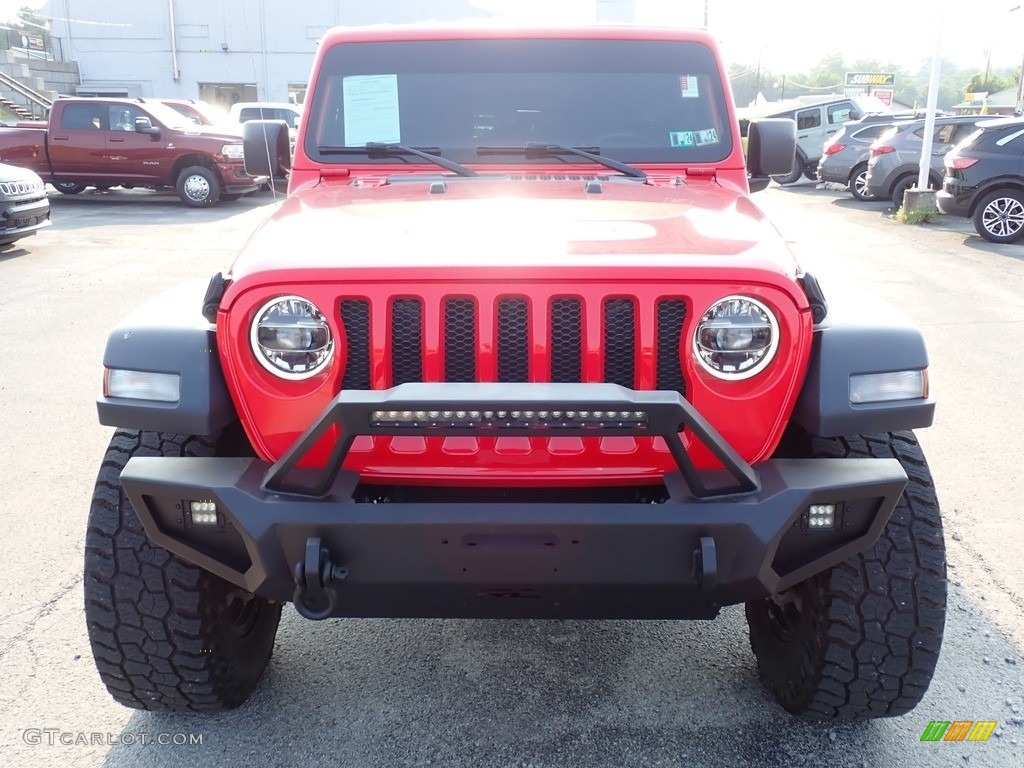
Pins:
<point x="68" y="187"/>
<point x="811" y="172"/>
<point x="902" y="186"/>
<point x="859" y="183"/>
<point x="861" y="640"/>
<point x="999" y="217"/>
<point x="165" y="634"/>
<point x="198" y="186"/>
<point x="230" y="198"/>
<point x="794" y="175"/>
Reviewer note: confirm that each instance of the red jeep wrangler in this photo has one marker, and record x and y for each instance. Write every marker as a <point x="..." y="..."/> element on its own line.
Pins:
<point x="517" y="344"/>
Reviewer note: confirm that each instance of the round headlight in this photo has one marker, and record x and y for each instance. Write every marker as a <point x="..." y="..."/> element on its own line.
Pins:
<point x="736" y="338"/>
<point x="291" y="338"/>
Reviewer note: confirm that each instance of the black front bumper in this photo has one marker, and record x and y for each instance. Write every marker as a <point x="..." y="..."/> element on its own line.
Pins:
<point x="683" y="558"/>
<point x="22" y="218"/>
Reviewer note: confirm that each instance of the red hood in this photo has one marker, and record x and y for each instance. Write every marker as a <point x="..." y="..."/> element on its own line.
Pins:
<point x="510" y="223"/>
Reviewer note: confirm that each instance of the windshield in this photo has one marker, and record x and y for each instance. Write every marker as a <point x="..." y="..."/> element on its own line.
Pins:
<point x="169" y="117"/>
<point x="636" y="101"/>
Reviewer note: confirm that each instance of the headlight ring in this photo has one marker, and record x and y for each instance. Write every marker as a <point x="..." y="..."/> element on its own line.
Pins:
<point x="291" y="338"/>
<point x="736" y="338"/>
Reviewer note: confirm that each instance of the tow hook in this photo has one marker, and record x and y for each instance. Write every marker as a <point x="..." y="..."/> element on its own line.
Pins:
<point x="705" y="564"/>
<point x="315" y="594"/>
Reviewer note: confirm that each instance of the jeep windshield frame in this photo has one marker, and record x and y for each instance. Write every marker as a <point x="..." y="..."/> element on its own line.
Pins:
<point x="641" y="101"/>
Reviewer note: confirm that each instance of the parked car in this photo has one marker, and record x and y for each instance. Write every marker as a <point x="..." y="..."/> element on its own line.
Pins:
<point x="845" y="158"/>
<point x="845" y="155"/>
<point x="815" y="124"/>
<point x="896" y="155"/>
<point x="199" y="112"/>
<point x="245" y="111"/>
<point x="985" y="180"/>
<point x="24" y="207"/>
<point x="130" y="143"/>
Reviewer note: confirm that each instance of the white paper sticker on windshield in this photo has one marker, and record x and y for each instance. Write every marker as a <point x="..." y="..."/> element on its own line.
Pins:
<point x="371" y="109"/>
<point x="688" y="87"/>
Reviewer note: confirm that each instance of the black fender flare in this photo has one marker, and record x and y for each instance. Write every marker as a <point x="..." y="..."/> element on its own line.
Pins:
<point x="170" y="335"/>
<point x="860" y="336"/>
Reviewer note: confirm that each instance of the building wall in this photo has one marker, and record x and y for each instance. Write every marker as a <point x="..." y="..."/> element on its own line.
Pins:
<point x="125" y="45"/>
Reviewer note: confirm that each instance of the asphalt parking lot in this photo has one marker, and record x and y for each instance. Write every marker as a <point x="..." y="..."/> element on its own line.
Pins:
<point x="503" y="693"/>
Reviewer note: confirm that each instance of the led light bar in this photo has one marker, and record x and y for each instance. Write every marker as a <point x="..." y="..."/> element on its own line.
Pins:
<point x="508" y="419"/>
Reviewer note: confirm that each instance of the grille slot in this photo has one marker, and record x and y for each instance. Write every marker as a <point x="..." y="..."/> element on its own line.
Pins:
<point x="566" y="341"/>
<point x="513" y="340"/>
<point x="620" y="342"/>
<point x="671" y="315"/>
<point x="406" y="341"/>
<point x="355" y="316"/>
<point x="460" y="340"/>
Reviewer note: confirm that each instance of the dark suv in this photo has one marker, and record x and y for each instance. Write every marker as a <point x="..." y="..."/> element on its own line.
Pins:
<point x="985" y="180"/>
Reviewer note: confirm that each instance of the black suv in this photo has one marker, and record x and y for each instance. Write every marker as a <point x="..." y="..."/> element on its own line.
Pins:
<point x="985" y="180"/>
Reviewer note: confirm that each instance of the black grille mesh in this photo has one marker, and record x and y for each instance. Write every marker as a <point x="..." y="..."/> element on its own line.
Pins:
<point x="671" y="314"/>
<point x="460" y="340"/>
<point x="566" y="341"/>
<point x="619" y="342"/>
<point x="512" y="325"/>
<point x="513" y="340"/>
<point x="355" y="316"/>
<point x="406" y="341"/>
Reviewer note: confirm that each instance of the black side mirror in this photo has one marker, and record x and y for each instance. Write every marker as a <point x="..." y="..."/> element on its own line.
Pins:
<point x="145" y="125"/>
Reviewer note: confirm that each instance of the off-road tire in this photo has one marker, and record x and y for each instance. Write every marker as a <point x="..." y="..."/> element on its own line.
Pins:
<point x="68" y="187"/>
<point x="198" y="186"/>
<point x="999" y="217"/>
<point x="166" y="635"/>
<point x="861" y="640"/>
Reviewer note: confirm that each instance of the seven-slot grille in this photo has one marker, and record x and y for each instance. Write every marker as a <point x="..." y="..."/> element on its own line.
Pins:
<point x="459" y="336"/>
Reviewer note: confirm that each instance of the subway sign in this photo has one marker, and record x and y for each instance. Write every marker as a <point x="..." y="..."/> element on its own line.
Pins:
<point x="871" y="79"/>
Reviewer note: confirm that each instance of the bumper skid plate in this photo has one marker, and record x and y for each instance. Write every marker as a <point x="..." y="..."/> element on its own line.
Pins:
<point x="709" y="544"/>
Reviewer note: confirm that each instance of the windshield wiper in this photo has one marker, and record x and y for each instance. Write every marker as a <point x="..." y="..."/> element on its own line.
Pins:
<point x="590" y="153"/>
<point x="430" y="154"/>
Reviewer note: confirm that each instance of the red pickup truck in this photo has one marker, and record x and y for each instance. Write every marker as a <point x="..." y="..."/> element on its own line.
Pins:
<point x="129" y="143"/>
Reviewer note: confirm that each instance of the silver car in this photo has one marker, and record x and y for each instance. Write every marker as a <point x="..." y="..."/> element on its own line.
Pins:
<point x="896" y="155"/>
<point x="845" y="158"/>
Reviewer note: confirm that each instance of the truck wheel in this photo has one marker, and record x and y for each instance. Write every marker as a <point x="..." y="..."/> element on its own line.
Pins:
<point x="859" y="183"/>
<point x="794" y="175"/>
<point x="165" y="634"/>
<point x="1000" y="216"/>
<point x="198" y="186"/>
<point x="861" y="640"/>
<point x="68" y="187"/>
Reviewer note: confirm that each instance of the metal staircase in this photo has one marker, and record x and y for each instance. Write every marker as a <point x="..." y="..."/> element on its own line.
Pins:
<point x="30" y="104"/>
